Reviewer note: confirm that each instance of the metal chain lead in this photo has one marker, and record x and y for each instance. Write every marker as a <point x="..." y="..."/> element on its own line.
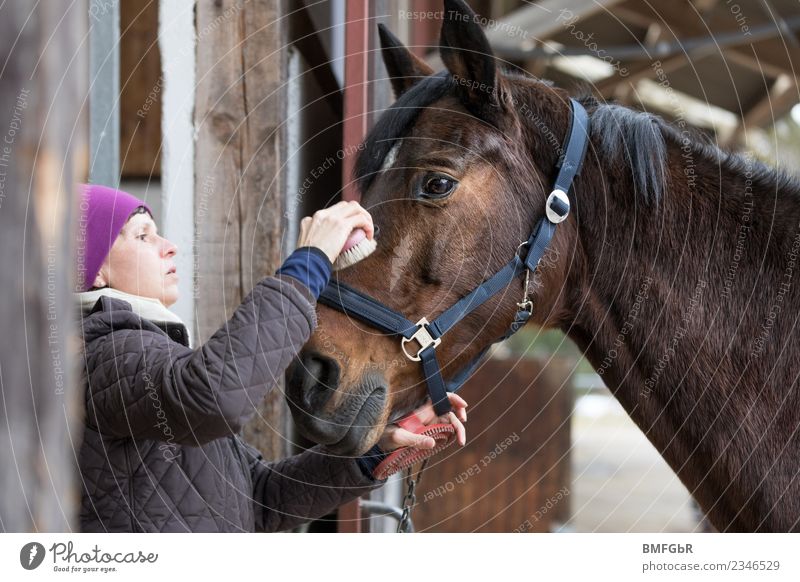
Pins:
<point x="410" y="500"/>
<point x="527" y="302"/>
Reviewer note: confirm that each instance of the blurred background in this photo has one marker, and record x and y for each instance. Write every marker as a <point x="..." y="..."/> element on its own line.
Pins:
<point x="218" y="113"/>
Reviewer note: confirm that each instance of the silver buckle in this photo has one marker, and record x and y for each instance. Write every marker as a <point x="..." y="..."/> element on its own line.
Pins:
<point x="423" y="337"/>
<point x="552" y="215"/>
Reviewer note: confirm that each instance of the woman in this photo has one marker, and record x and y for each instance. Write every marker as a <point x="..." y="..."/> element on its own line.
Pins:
<point x="161" y="450"/>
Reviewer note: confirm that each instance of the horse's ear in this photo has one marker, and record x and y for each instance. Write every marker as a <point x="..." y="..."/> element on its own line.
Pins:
<point x="403" y="66"/>
<point x="466" y="53"/>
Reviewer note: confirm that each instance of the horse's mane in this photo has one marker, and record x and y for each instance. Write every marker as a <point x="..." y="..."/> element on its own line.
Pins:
<point x="636" y="140"/>
<point x="639" y="140"/>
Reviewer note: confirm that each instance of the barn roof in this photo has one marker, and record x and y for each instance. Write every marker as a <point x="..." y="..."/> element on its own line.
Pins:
<point x="726" y="66"/>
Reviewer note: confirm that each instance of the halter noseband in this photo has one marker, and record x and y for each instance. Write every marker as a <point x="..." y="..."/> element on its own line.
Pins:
<point x="428" y="334"/>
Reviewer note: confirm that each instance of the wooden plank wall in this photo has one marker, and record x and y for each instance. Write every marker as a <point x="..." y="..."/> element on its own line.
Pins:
<point x="239" y="184"/>
<point x="513" y="475"/>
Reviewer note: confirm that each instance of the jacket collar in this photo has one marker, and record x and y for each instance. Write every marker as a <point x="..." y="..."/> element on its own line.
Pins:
<point x="152" y="310"/>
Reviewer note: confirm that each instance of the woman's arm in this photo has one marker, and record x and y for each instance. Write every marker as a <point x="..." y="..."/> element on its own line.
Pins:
<point x="303" y="487"/>
<point x="144" y="385"/>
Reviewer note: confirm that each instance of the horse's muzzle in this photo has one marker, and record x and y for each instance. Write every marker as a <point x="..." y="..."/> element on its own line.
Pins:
<point x="325" y="412"/>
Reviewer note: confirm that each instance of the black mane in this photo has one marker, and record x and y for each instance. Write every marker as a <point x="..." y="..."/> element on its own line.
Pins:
<point x="636" y="140"/>
<point x="639" y="141"/>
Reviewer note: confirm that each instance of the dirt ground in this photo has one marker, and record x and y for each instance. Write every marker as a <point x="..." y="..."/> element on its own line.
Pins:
<point x="619" y="481"/>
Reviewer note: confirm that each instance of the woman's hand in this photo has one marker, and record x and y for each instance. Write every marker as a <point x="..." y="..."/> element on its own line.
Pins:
<point x="329" y="228"/>
<point x="395" y="436"/>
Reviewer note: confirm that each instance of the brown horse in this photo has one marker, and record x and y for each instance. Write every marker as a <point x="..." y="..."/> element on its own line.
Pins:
<point x="675" y="272"/>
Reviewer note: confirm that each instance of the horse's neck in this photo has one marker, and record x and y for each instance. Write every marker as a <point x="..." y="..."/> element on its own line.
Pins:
<point x="679" y="318"/>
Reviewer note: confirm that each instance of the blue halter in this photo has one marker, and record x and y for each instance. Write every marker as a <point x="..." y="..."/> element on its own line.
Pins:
<point x="428" y="334"/>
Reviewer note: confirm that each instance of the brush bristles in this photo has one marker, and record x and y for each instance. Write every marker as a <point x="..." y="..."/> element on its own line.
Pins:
<point x="358" y="253"/>
<point x="443" y="434"/>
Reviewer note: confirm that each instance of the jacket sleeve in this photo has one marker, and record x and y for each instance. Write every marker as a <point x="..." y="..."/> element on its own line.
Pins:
<point x="307" y="486"/>
<point x="144" y="385"/>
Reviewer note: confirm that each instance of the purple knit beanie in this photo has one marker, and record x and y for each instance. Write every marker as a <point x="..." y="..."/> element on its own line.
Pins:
<point x="103" y="213"/>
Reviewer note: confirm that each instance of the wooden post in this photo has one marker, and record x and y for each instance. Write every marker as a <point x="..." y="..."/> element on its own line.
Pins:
<point x="141" y="86"/>
<point x="43" y="152"/>
<point x="239" y="185"/>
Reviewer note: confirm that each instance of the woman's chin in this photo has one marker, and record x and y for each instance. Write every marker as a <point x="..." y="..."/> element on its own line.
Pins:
<point x="169" y="301"/>
<point x="170" y="296"/>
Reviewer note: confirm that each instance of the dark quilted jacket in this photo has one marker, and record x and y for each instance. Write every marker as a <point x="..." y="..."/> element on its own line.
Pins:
<point x="161" y="450"/>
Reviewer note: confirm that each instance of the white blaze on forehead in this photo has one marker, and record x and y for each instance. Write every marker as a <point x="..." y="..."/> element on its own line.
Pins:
<point x="390" y="158"/>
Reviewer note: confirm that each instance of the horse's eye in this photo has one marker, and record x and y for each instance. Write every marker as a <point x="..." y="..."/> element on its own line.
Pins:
<point x="437" y="186"/>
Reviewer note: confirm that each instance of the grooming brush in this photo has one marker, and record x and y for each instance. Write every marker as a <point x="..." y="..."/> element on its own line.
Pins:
<point x="444" y="435"/>
<point x="357" y="248"/>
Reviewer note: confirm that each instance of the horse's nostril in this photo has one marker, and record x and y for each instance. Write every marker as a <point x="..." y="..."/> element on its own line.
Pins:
<point x="321" y="377"/>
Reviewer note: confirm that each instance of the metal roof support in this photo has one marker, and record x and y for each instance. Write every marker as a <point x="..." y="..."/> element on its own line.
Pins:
<point x="104" y="92"/>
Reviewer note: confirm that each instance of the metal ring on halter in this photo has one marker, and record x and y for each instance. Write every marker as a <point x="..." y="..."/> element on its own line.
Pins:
<point x="423" y="337"/>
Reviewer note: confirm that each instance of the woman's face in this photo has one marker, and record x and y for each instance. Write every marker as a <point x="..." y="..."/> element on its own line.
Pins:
<point x="141" y="262"/>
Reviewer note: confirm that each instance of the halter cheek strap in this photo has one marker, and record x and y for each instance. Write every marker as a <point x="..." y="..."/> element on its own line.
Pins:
<point x="420" y="340"/>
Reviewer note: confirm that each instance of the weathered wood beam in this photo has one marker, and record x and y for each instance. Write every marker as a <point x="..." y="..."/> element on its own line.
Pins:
<point x="781" y="97"/>
<point x="43" y="153"/>
<point x="240" y="203"/>
<point x="752" y="62"/>
<point x="644" y="70"/>
<point x="771" y="54"/>
<point x="542" y="20"/>
<point x="140" y="91"/>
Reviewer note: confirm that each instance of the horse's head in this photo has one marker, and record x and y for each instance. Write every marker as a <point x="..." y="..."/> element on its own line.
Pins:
<point x="455" y="175"/>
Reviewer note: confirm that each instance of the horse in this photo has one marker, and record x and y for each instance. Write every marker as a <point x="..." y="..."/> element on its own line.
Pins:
<point x="675" y="271"/>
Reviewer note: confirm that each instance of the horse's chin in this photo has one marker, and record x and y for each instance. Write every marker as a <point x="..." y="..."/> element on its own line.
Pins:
<point x="356" y="441"/>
